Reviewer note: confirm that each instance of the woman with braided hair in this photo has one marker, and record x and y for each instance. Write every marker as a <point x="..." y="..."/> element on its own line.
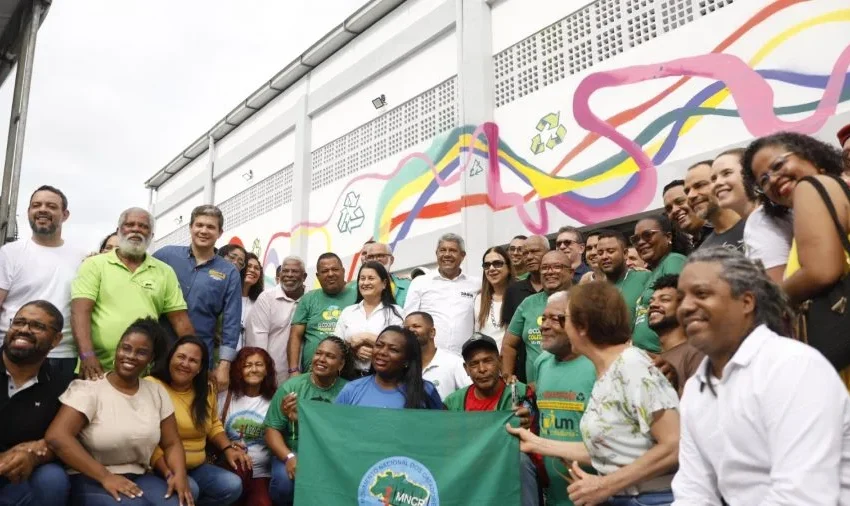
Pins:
<point x="332" y="366"/>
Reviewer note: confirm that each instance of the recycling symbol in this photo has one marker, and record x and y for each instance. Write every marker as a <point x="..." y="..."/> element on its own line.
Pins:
<point x="255" y="247"/>
<point x="476" y="169"/>
<point x="580" y="396"/>
<point x="549" y="123"/>
<point x="351" y="215"/>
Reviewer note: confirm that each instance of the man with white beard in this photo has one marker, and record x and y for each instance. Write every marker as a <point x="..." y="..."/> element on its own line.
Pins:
<point x="115" y="289"/>
<point x="42" y="268"/>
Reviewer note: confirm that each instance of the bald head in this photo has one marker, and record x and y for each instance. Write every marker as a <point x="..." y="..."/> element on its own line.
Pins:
<point x="535" y="247"/>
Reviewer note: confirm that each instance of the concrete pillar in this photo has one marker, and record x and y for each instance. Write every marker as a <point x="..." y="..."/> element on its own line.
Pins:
<point x="302" y="170"/>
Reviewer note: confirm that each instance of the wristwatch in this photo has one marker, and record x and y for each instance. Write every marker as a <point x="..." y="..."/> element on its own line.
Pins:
<point x="288" y="456"/>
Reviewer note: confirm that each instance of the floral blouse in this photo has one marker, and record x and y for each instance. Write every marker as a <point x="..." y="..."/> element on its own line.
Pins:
<point x="616" y="424"/>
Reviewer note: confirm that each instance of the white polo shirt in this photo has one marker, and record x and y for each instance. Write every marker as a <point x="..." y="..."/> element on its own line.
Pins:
<point x="446" y="372"/>
<point x="353" y="321"/>
<point x="267" y="326"/>
<point x="450" y="302"/>
<point x="776" y="432"/>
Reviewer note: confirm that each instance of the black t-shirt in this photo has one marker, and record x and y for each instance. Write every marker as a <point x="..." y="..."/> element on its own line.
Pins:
<point x="515" y="294"/>
<point x="26" y="415"/>
<point x="732" y="239"/>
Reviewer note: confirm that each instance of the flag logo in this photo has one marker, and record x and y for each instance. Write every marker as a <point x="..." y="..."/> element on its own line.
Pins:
<point x="398" y="481"/>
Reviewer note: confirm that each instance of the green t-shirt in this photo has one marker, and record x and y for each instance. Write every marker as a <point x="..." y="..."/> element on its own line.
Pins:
<point x="306" y="391"/>
<point x="319" y="312"/>
<point x="526" y="324"/>
<point x="523" y="277"/>
<point x="563" y="390"/>
<point x="120" y="297"/>
<point x="643" y="337"/>
<point x="631" y="286"/>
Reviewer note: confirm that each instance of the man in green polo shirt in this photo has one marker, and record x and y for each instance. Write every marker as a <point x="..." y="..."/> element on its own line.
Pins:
<point x="611" y="257"/>
<point x="317" y="313"/>
<point x="113" y="290"/>
<point x="564" y="383"/>
<point x="556" y="275"/>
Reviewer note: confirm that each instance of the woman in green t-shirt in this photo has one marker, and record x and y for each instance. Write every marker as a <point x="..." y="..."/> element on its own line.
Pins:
<point x="332" y="366"/>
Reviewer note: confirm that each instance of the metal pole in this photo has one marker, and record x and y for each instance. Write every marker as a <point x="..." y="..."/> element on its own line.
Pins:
<point x="17" y="125"/>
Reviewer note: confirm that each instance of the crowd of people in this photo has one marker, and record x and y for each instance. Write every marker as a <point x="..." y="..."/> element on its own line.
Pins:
<point x="697" y="362"/>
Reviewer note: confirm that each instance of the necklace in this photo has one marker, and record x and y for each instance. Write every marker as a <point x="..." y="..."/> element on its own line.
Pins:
<point x="316" y="383"/>
<point x="493" y="320"/>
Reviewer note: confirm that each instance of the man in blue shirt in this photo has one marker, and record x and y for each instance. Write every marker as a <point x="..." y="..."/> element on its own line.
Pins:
<point x="211" y="286"/>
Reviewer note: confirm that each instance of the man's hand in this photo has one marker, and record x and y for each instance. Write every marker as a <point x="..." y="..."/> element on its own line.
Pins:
<point x="90" y="368"/>
<point x="17" y="466"/>
<point x="667" y="370"/>
<point x="222" y="375"/>
<point x="524" y="415"/>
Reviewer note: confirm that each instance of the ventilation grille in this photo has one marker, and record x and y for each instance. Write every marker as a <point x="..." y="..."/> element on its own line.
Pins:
<point x="397" y="130"/>
<point x="179" y="237"/>
<point x="269" y="194"/>
<point x="597" y="32"/>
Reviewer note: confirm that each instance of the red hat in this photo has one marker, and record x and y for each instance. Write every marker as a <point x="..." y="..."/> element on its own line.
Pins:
<point x="844" y="134"/>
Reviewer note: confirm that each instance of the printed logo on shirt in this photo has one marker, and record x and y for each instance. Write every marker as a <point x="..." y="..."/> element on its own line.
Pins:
<point x="330" y="316"/>
<point x="246" y="426"/>
<point x="560" y="413"/>
<point x="398" y="481"/>
<point x="534" y="336"/>
<point x="148" y="284"/>
<point x="217" y="275"/>
<point x="468" y="295"/>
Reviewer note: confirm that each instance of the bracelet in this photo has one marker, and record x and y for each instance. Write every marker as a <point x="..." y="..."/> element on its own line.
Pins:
<point x="169" y="476"/>
<point x="289" y="456"/>
<point x="87" y="354"/>
<point x="294" y="369"/>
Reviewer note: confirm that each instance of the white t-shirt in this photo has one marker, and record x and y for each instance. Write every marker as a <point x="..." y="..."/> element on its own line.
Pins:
<point x="30" y="272"/>
<point x="491" y="323"/>
<point x="768" y="239"/>
<point x="353" y="321"/>
<point x="247" y="305"/>
<point x="244" y="423"/>
<point x="446" y="372"/>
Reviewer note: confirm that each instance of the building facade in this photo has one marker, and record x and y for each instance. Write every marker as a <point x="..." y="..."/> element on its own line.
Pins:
<point x="496" y="118"/>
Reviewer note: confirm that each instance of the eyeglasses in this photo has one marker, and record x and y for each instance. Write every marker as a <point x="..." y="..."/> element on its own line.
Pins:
<point x="237" y="259"/>
<point x="496" y="264"/>
<point x="560" y="319"/>
<point x="645" y="236"/>
<point x="553" y="268"/>
<point x="19" y="323"/>
<point x="773" y="170"/>
<point x="565" y="243"/>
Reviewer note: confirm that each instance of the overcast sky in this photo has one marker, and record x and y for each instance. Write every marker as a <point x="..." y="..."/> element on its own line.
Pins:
<point x="122" y="87"/>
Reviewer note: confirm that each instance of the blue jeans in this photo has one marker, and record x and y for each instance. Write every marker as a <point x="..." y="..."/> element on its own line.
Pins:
<point x="664" y="498"/>
<point x="281" y="488"/>
<point x="529" y="490"/>
<point x="88" y="492"/>
<point x="48" y="485"/>
<point x="214" y="486"/>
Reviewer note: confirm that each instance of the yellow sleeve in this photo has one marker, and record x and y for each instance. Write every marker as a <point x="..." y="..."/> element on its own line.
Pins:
<point x="215" y="427"/>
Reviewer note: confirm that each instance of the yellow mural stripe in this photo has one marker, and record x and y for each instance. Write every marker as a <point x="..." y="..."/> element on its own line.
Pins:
<point x="547" y="185"/>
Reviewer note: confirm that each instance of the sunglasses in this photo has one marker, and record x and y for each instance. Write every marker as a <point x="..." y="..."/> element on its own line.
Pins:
<point x="496" y="264"/>
<point x="645" y="236"/>
<point x="565" y="243"/>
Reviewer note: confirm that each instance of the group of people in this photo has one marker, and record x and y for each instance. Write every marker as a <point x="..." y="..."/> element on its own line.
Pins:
<point x="659" y="368"/>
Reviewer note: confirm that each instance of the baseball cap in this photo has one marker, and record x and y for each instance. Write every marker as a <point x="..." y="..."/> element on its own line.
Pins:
<point x="844" y="134"/>
<point x="478" y="340"/>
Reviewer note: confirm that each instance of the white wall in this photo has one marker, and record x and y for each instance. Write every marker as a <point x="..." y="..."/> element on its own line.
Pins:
<point x="189" y="172"/>
<point x="166" y="223"/>
<point x="266" y="162"/>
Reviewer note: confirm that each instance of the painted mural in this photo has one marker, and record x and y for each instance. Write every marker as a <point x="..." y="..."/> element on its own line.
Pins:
<point x="719" y="86"/>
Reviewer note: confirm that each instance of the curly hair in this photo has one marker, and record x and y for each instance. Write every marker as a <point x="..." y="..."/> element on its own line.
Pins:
<point x="820" y="154"/>
<point x="237" y="378"/>
<point x="257" y="288"/>
<point x="347" y="372"/>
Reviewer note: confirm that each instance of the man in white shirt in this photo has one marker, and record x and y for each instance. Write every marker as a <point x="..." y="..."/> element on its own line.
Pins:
<point x="269" y="322"/>
<point x="447" y="295"/>
<point x="445" y="370"/>
<point x="42" y="268"/>
<point x="766" y="419"/>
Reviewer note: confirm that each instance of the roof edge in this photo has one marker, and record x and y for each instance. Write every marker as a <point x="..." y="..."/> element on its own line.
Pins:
<point x="334" y="40"/>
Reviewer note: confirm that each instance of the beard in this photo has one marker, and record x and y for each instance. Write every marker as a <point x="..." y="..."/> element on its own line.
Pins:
<point x="26" y="356"/>
<point x="131" y="248"/>
<point x="666" y="324"/>
<point x="48" y="230"/>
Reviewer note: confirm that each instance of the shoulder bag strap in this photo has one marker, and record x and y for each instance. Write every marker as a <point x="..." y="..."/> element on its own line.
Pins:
<point x="831" y="208"/>
<point x="226" y="406"/>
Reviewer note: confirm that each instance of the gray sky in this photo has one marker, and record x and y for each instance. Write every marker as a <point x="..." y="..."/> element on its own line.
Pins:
<point x="121" y="87"/>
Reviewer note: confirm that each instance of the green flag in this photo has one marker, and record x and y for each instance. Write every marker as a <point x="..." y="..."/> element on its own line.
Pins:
<point x="404" y="457"/>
